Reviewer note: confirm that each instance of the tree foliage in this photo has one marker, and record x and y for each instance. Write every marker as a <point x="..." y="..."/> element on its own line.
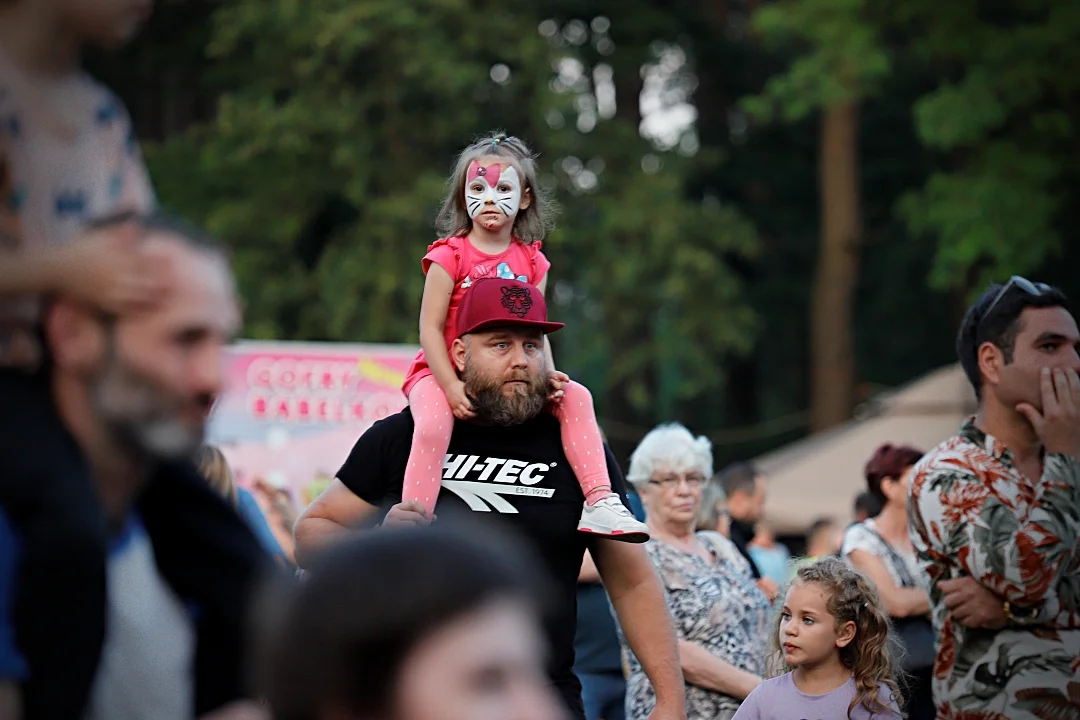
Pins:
<point x="1004" y="119"/>
<point x="315" y="137"/>
<point x="840" y="58"/>
<point x="355" y="110"/>
<point x="1000" y="114"/>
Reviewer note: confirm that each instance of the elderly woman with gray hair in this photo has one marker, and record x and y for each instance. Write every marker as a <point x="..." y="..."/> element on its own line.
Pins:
<point x="720" y="615"/>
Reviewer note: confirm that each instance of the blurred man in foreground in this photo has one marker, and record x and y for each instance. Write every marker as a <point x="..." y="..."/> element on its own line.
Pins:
<point x="132" y="575"/>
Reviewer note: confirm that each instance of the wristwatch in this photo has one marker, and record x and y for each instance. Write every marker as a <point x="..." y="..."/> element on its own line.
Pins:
<point x="1018" y="616"/>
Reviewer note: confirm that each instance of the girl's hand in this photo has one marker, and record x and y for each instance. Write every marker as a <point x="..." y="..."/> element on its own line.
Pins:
<point x="459" y="401"/>
<point x="558" y="381"/>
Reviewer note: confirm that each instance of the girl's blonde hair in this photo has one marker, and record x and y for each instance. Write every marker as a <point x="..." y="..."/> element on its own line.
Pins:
<point x="531" y="224"/>
<point x="849" y="597"/>
<point x="215" y="468"/>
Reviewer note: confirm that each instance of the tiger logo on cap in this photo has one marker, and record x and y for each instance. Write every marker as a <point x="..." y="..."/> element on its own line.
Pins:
<point x="517" y="301"/>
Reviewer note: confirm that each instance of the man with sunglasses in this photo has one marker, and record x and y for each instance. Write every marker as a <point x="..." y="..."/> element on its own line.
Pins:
<point x="995" y="514"/>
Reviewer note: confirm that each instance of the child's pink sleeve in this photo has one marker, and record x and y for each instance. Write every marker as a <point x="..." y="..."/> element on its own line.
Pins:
<point x="541" y="265"/>
<point x="446" y="253"/>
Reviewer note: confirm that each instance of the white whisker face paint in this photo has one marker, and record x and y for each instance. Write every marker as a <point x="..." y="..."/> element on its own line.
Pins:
<point x="492" y="188"/>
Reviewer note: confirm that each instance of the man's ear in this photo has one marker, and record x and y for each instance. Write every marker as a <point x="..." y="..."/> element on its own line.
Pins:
<point x="991" y="360"/>
<point x="457" y="354"/>
<point x="74" y="335"/>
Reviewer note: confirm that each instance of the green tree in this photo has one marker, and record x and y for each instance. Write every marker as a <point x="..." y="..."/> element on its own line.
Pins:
<point x="331" y="126"/>
<point x="1004" y="121"/>
<point x="343" y="102"/>
<point x="841" y="65"/>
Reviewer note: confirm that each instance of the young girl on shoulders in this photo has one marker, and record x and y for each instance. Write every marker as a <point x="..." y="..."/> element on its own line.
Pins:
<point x="829" y="652"/>
<point x="494" y="219"/>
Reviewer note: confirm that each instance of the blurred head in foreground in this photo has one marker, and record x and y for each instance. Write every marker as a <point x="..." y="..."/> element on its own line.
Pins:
<point x="419" y="624"/>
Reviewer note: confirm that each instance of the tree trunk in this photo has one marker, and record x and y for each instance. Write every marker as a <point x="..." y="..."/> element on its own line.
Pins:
<point x="628" y="84"/>
<point x="741" y="387"/>
<point x="831" y="356"/>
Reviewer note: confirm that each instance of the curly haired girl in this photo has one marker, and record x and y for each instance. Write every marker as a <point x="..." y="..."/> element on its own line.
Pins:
<point x="829" y="652"/>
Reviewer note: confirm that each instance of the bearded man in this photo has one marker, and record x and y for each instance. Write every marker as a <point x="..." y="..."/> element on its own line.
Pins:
<point x="507" y="465"/>
<point x="124" y="578"/>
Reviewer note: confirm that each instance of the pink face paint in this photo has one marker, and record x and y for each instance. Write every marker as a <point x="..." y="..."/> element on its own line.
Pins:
<point x="490" y="173"/>
<point x="492" y="188"/>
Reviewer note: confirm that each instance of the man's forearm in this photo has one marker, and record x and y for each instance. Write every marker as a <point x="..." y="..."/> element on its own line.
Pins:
<point x="646" y="623"/>
<point x="314" y="535"/>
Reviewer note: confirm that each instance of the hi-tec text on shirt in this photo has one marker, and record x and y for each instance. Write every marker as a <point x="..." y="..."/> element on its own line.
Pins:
<point x="493" y="477"/>
<point x="458" y="467"/>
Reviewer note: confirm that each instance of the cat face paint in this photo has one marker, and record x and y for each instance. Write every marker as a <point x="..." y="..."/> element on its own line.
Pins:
<point x="500" y="186"/>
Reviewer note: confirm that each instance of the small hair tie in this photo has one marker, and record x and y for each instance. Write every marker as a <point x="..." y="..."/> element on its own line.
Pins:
<point x="496" y="141"/>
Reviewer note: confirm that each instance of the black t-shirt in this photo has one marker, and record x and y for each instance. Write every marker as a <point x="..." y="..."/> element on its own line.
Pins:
<point x="741" y="534"/>
<point x="518" y="475"/>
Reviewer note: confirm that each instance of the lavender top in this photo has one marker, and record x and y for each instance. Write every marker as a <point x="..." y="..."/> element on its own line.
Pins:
<point x="779" y="699"/>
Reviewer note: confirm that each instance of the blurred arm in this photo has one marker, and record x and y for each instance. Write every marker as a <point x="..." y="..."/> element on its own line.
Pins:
<point x="706" y="670"/>
<point x="438" y="287"/>
<point x="899" y="602"/>
<point x="329" y="519"/>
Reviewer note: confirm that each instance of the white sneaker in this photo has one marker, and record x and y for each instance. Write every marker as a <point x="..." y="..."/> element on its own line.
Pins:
<point x="610" y="518"/>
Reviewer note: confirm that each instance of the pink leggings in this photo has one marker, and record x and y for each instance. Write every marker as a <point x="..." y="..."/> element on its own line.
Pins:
<point x="434" y="422"/>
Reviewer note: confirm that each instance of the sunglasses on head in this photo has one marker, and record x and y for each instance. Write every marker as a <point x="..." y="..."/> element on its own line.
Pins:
<point x="1033" y="289"/>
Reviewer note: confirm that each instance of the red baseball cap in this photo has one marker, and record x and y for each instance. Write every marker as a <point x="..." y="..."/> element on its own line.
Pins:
<point x="497" y="302"/>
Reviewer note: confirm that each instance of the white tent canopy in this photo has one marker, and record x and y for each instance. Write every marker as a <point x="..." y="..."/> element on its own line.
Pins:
<point x="819" y="476"/>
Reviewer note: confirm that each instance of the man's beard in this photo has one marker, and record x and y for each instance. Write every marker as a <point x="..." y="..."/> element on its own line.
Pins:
<point x="493" y="406"/>
<point x="140" y="416"/>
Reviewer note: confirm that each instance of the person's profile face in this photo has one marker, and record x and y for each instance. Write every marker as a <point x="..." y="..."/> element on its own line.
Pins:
<point x="748" y="506"/>
<point x="808" y="633"/>
<point x="1048" y="337"/>
<point x="488" y="665"/>
<point x="167" y="364"/>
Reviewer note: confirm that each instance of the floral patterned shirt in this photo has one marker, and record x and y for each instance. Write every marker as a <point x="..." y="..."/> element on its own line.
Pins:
<point x="972" y="513"/>
<point x="715" y="605"/>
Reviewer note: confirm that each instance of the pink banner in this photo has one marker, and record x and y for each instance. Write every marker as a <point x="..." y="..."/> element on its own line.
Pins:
<point x="292" y="411"/>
